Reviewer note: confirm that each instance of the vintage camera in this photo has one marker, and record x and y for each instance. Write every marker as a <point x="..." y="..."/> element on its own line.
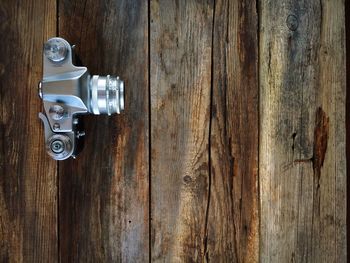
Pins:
<point x="67" y="92"/>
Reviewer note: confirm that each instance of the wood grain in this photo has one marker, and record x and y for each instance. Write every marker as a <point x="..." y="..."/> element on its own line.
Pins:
<point x="302" y="132"/>
<point x="103" y="202"/>
<point x="347" y="116"/>
<point x="239" y="156"/>
<point x="233" y="209"/>
<point x="181" y="40"/>
<point x="28" y="192"/>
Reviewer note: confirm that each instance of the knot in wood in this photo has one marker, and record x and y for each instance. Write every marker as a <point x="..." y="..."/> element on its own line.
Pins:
<point x="187" y="179"/>
<point x="292" y="22"/>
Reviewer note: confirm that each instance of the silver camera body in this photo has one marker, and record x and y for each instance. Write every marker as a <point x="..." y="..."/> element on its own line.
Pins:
<point x="67" y="91"/>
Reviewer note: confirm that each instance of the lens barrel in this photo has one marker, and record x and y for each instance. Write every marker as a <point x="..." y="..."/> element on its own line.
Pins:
<point x="106" y="95"/>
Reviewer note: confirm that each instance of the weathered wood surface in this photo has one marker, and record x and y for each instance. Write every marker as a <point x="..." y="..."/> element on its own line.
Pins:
<point x="231" y="159"/>
<point x="104" y="194"/>
<point x="181" y="41"/>
<point x="347" y="114"/>
<point x="28" y="178"/>
<point x="302" y="132"/>
<point x="233" y="209"/>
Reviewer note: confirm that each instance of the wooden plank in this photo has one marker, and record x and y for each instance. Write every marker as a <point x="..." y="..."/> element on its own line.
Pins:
<point x="28" y="193"/>
<point x="233" y="210"/>
<point x="103" y="202"/>
<point x="347" y="116"/>
<point x="181" y="39"/>
<point x="302" y="132"/>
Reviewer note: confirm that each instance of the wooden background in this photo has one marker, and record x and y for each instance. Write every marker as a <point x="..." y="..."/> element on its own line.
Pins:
<point x="232" y="146"/>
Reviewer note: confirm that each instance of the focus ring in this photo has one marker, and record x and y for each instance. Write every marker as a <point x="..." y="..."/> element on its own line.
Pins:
<point x="107" y="95"/>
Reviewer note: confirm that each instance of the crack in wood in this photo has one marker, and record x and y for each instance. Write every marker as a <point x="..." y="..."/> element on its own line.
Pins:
<point x="206" y="252"/>
<point x="320" y="141"/>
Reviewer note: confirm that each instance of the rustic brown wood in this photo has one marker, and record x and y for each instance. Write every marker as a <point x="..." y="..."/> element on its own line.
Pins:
<point x="216" y="116"/>
<point x="103" y="202"/>
<point x="233" y="208"/>
<point x="28" y="193"/>
<point x="181" y="40"/>
<point x="347" y="114"/>
<point x="302" y="131"/>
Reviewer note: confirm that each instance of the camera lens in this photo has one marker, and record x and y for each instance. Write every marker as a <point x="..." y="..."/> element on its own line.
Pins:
<point x="106" y="95"/>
